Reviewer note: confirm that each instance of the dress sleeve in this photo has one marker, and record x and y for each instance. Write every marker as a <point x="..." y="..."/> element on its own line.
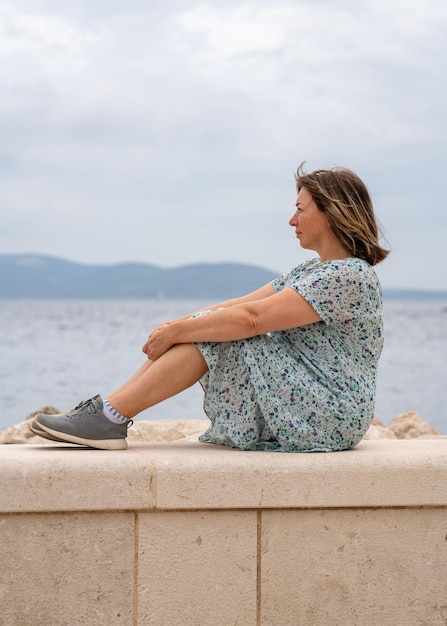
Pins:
<point x="292" y="275"/>
<point x="280" y="282"/>
<point x="338" y="290"/>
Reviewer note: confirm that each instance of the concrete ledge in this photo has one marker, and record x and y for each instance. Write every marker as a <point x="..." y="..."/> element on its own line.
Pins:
<point x="188" y="474"/>
<point x="185" y="533"/>
<point x="374" y="474"/>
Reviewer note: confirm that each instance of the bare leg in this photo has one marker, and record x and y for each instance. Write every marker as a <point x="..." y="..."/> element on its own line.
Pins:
<point x="176" y="370"/>
<point x="140" y="371"/>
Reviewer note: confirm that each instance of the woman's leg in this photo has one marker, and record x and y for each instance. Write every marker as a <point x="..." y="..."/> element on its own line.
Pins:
<point x="176" y="370"/>
<point x="87" y="424"/>
<point x="140" y="371"/>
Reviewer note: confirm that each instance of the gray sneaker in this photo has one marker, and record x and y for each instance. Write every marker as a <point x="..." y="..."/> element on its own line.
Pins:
<point x="37" y="430"/>
<point x="86" y="426"/>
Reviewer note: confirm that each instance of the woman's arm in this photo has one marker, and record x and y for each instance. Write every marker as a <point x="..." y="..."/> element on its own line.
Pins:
<point x="278" y="311"/>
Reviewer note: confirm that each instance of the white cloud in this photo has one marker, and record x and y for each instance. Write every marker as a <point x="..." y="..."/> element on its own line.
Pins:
<point x="33" y="33"/>
<point x="237" y="31"/>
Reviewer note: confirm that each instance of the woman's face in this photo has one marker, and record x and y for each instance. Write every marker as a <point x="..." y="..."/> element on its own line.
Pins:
<point x="311" y="226"/>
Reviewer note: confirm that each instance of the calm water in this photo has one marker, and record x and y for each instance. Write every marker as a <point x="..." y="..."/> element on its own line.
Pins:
<point x="61" y="351"/>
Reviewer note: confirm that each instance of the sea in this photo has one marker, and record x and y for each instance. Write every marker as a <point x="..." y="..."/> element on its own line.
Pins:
<point x="58" y="352"/>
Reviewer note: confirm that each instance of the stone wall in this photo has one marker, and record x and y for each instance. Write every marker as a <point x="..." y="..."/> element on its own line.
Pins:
<point x="186" y="533"/>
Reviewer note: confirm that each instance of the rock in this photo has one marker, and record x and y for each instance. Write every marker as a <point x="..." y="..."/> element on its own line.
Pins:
<point x="166" y="430"/>
<point x="378" y="431"/>
<point x="47" y="409"/>
<point x="410" y="426"/>
<point x="20" y="433"/>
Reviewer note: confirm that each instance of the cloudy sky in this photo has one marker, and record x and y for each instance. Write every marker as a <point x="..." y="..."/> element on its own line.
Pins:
<point x="168" y="132"/>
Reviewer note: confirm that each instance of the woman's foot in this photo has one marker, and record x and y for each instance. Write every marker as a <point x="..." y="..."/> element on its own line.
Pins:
<point x="85" y="425"/>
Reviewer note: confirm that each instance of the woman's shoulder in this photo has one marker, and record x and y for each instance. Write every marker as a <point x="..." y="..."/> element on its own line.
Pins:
<point x="349" y="262"/>
<point x="349" y="266"/>
<point x="314" y="272"/>
<point x="338" y="288"/>
<point x="348" y="272"/>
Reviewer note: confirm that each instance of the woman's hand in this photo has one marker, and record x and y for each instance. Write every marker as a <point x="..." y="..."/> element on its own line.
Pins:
<point x="159" y="341"/>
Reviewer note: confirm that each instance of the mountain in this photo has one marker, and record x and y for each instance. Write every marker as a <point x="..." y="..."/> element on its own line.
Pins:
<point x="36" y="276"/>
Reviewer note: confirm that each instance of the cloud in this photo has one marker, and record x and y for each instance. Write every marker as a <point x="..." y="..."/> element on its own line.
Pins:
<point x="239" y="31"/>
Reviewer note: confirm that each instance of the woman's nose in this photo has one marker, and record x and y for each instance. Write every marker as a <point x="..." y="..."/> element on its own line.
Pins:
<point x="293" y="219"/>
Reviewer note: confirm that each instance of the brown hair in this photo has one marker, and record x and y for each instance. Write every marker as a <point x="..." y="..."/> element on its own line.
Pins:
<point x="344" y="199"/>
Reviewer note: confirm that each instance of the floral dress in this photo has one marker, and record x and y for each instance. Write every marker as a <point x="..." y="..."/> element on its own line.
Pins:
<point x="309" y="388"/>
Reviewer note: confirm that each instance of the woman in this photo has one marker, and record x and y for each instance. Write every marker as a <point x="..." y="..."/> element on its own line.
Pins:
<point x="290" y="367"/>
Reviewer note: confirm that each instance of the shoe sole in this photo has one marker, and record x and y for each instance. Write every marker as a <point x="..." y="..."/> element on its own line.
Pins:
<point x="36" y="430"/>
<point x="100" y="444"/>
